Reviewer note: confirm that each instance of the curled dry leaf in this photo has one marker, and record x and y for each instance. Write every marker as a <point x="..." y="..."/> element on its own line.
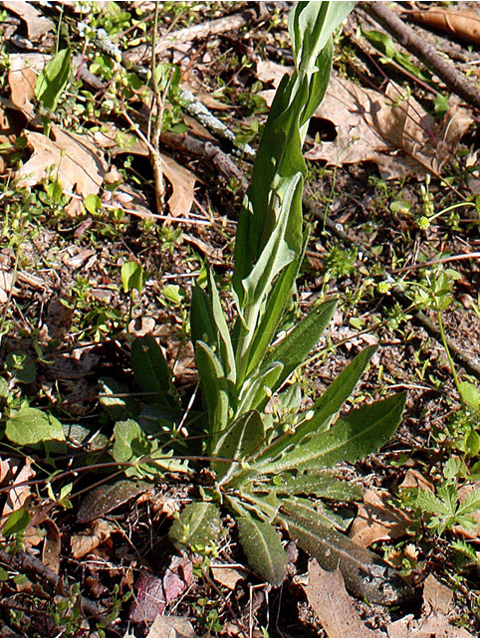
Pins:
<point x="73" y="158"/>
<point x="464" y="25"/>
<point x="377" y="520"/>
<point x="101" y="500"/>
<point x="85" y="543"/>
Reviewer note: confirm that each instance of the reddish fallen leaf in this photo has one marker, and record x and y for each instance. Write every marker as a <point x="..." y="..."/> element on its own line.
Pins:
<point x="464" y="25"/>
<point x="150" y="599"/>
<point x="154" y="593"/>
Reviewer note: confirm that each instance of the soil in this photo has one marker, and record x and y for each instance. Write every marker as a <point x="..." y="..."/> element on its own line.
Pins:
<point x="69" y="277"/>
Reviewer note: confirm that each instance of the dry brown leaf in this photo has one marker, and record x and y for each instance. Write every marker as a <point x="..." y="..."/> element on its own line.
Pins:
<point x="171" y="627"/>
<point x="21" y="81"/>
<point x="464" y="25"/>
<point x="85" y="543"/>
<point x="37" y="24"/>
<point x="435" y="626"/>
<point x="183" y="183"/>
<point x="415" y="480"/>
<point x="227" y="576"/>
<point x="377" y="520"/>
<point x="437" y="595"/>
<point x="371" y="126"/>
<point x="182" y="180"/>
<point x="52" y="546"/>
<point x="74" y="158"/>
<point x="333" y="606"/>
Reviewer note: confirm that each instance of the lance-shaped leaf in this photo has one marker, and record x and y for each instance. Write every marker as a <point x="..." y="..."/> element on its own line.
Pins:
<point x="238" y="441"/>
<point x="257" y="390"/>
<point x="321" y="484"/>
<point x="52" y="80"/>
<point x="278" y="299"/>
<point x="351" y="438"/>
<point x="214" y="390"/>
<point x="276" y="255"/>
<point x="152" y="373"/>
<point x="325" y="407"/>
<point x="263" y="548"/>
<point x="295" y="347"/>
<point x="209" y="325"/>
<point x="365" y="573"/>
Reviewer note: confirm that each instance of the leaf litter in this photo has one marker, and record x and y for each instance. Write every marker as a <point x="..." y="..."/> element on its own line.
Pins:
<point x="381" y="519"/>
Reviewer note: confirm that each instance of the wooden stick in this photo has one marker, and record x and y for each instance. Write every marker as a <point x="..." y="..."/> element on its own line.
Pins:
<point x="405" y="35"/>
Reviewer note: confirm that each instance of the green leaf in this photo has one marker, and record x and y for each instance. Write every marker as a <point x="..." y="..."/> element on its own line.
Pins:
<point x="470" y="504"/>
<point x="365" y="573"/>
<point x="470" y="395"/>
<point x="350" y="439"/>
<point x="257" y="390"/>
<point x="295" y="347"/>
<point x="146" y="460"/>
<point x="132" y="276"/>
<point x="263" y="548"/>
<point x="209" y="325"/>
<point x="115" y="399"/>
<point x="22" y="367"/>
<point x="34" y="428"/>
<point x="152" y="373"/>
<point x="17" y="522"/>
<point x="240" y="439"/>
<point x="93" y="203"/>
<point x="214" y="390"/>
<point x="322" y="485"/>
<point x="53" y="79"/>
<point x="198" y="527"/>
<point x="278" y="300"/>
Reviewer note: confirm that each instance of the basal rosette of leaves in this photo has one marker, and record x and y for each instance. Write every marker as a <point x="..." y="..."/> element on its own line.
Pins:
<point x="271" y="470"/>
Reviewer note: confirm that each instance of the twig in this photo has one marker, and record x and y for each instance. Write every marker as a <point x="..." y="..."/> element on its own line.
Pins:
<point x="204" y="31"/>
<point x="405" y="35"/>
<point x="159" y="100"/>
<point x="429" y="263"/>
<point x="190" y="104"/>
<point x="25" y="563"/>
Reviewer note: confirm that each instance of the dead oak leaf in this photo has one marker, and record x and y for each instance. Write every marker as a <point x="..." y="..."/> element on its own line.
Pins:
<point x="333" y="606"/>
<point x="73" y="158"/>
